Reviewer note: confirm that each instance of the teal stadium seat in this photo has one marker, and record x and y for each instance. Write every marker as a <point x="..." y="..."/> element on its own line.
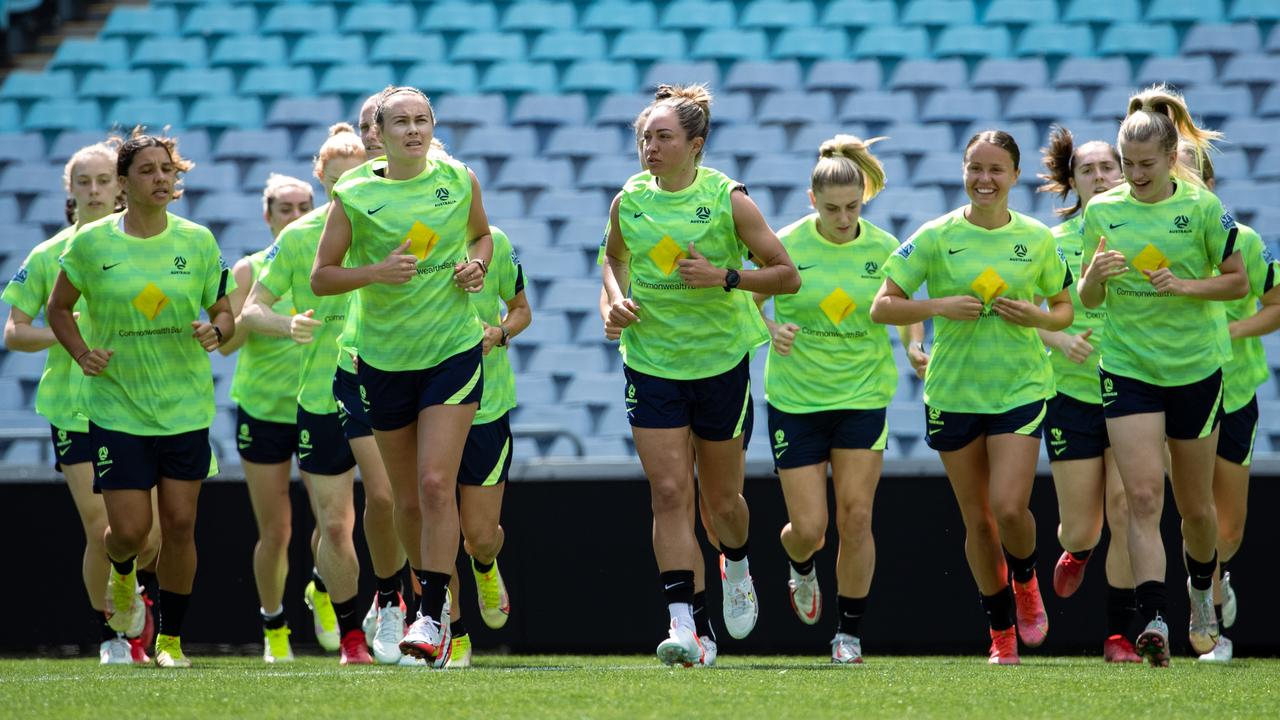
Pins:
<point x="681" y="73"/>
<point x="252" y="145"/>
<point x="538" y="16"/>
<point x="580" y="141"/>
<point x="1139" y="39"/>
<point x="1021" y="12"/>
<point x="1110" y="103"/>
<point x="1257" y="10"/>
<point x="1085" y="130"/>
<point x="270" y="82"/>
<point x="519" y="77"/>
<point x="187" y="83"/>
<point x="929" y="75"/>
<point x="377" y="20"/>
<point x="63" y="114"/>
<point x="1093" y="73"/>
<point x="406" y="48"/>
<point x="217" y="20"/>
<point x="440" y="78"/>
<point x="910" y="138"/>
<point x="503" y="204"/>
<point x="526" y="233"/>
<point x="845" y="75"/>
<point x="300" y="19"/>
<point x="8" y="207"/>
<point x="489" y="46"/>
<point x="777" y="14"/>
<point x="1186" y="11"/>
<point x="26" y="85"/>
<point x="531" y="173"/>
<point x="939" y="168"/>
<point x="227" y="207"/>
<point x="49" y="209"/>
<point x="960" y="106"/>
<point x="68" y="142"/>
<point x="1010" y="74"/>
<point x="891" y="42"/>
<point x="163" y="53"/>
<point x="877" y="106"/>
<point x="464" y="110"/>
<point x="807" y="139"/>
<point x="84" y="54"/>
<point x="111" y="84"/>
<point x="599" y="77"/>
<point x="763" y="76"/>
<point x="568" y="45"/>
<point x="1045" y="105"/>
<point x="551" y="110"/>
<point x="622" y="108"/>
<point x="859" y="13"/>
<point x="582" y="233"/>
<point x="452" y="17"/>
<point x="225" y="113"/>
<point x="1252" y="70"/>
<point x="939" y="13"/>
<point x="778" y="171"/>
<point x="1055" y="40"/>
<point x="648" y="46"/>
<point x="811" y="44"/>
<point x="248" y="51"/>
<point x="304" y="112"/>
<point x="607" y="173"/>
<point x="496" y="141"/>
<point x="356" y="80"/>
<point x="728" y="44"/>
<point x="561" y="205"/>
<point x="973" y="41"/>
<point x="1269" y="107"/>
<point x="795" y="107"/>
<point x="617" y="15"/>
<point x="1222" y="39"/>
<point x="1182" y="72"/>
<point x="16" y="147"/>
<point x="748" y="140"/>
<point x="140" y="22"/>
<point x="1273" y="39"/>
<point x="697" y="15"/>
<point x="1218" y="104"/>
<point x="566" y="295"/>
<point x="1267" y="169"/>
<point x="324" y="51"/>
<point x="545" y="263"/>
<point x="1103" y="13"/>
<point x="153" y="113"/>
<point x="256" y="178"/>
<point x="30" y="180"/>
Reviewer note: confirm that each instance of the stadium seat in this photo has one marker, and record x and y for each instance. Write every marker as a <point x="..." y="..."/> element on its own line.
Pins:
<point x="973" y="41"/>
<point x="380" y="20"/>
<point x="49" y="210"/>
<point x="929" y="74"/>
<point x="454" y="16"/>
<point x="355" y="80"/>
<point x="471" y="110"/>
<point x="763" y="76"/>
<point x="1222" y="39"/>
<point x="552" y="328"/>
<point x="599" y="77"/>
<point x="908" y="138"/>
<point x="538" y="15"/>
<point x="1270" y="105"/>
<point x="939" y="13"/>
<point x="63" y="114"/>
<point x="252" y="145"/>
<point x="525" y="233"/>
<point x="582" y="233"/>
<point x="216" y="20"/>
<point x="299" y="19"/>
<point x="1105" y="13"/>
<point x="747" y="140"/>
<point x="1182" y="72"/>
<point x="1266" y="170"/>
<point x="778" y="171"/>
<point x="550" y="110"/>
<point x="903" y="202"/>
<point x="1232" y="163"/>
<point x="225" y="207"/>
<point x="777" y="14"/>
<point x="25" y="85"/>
<point x="617" y="15"/>
<point x="248" y="51"/>
<point x="607" y="173"/>
<point x="697" y="15"/>
<point x="325" y="51"/>
<point x="1110" y="103"/>
<point x="496" y="141"/>
<point x="139" y="22"/>
<point x="568" y="45"/>
<point x="811" y="44"/>
<point x="568" y="295"/>
<point x="187" y="83"/>
<point x="489" y="46"/>
<point x="844" y="75"/>
<point x="1091" y="73"/>
<point x="519" y="77"/>
<point x="503" y="204"/>
<point x="1250" y="197"/>
<point x="9" y="212"/>
<point x="939" y="168"/>
<point x="727" y="44"/>
<point x="256" y="177"/>
<point x="1054" y="40"/>
<point x="301" y="112"/>
<point x="547" y="264"/>
<point x="891" y="42"/>
<point x="1083" y="131"/>
<point x="153" y="113"/>
<point x="112" y="84"/>
<point x="1138" y="39"/>
<point x="795" y="108"/>
<point x="213" y="177"/>
<point x="576" y="420"/>
<point x="1045" y="105"/>
<point x="83" y="54"/>
<point x="577" y="141"/>
<point x="809" y="138"/>
<point x="1186" y="11"/>
<point x="406" y="48"/>
<point x="225" y="112"/>
<point x="443" y="78"/>
<point x="1255" y="10"/>
<point x="1252" y="70"/>
<point x="1021" y="12"/>
<point x="278" y="81"/>
<point x="531" y="173"/>
<point x="648" y="45"/>
<point x="1006" y="74"/>
<point x="1273" y="39"/>
<point x="681" y="73"/>
<point x="20" y="147"/>
<point x="622" y="109"/>
<point x="878" y="107"/>
<point x="1217" y="104"/>
<point x="597" y="389"/>
<point x="159" y="53"/>
<point x="859" y="13"/>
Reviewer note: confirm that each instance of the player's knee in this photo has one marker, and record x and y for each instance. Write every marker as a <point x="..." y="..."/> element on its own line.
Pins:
<point x="855" y="524"/>
<point x="669" y="496"/>
<point x="436" y="488"/>
<point x="1145" y="504"/>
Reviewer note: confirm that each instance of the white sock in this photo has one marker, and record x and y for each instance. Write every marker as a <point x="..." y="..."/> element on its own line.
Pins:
<point x="735" y="571"/>
<point x="682" y="613"/>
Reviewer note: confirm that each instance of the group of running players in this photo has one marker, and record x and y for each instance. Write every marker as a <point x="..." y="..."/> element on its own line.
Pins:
<point x="373" y="332"/>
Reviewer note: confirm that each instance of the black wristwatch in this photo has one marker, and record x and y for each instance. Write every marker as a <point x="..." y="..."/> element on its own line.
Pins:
<point x="218" y="332"/>
<point x="506" y="336"/>
<point x="731" y="279"/>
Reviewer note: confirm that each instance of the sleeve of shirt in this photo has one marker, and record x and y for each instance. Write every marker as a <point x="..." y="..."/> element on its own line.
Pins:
<point x="1090" y="234"/>
<point x="1055" y="274"/>
<point x="908" y="266"/>
<point x="604" y="243"/>
<point x="28" y="290"/>
<point x="218" y="278"/>
<point x="75" y="259"/>
<point x="1220" y="230"/>
<point x="1257" y="263"/>
<point x="276" y="270"/>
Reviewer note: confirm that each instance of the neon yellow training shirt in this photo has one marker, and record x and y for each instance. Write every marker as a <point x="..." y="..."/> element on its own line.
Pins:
<point x="265" y="384"/>
<point x="1078" y="380"/>
<point x="504" y="281"/>
<point x="1247" y="368"/>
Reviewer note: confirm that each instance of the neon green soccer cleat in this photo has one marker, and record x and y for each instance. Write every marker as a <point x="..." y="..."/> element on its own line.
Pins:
<point x="460" y="653"/>
<point x="323" y="617"/>
<point x="275" y="645"/>
<point x="169" y="652"/>
<point x="491" y="595"/>
<point x="122" y="596"/>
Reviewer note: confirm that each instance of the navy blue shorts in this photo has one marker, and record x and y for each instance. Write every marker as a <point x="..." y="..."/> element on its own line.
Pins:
<point x="949" y="431"/>
<point x="802" y="439"/>
<point x="351" y="406"/>
<point x="70" y="447"/>
<point x="1239" y="428"/>
<point x="393" y="398"/>
<point x="714" y="408"/>
<point x="1191" y="411"/>
<point x="123" y="461"/>
<point x="1074" y="430"/>
<point x="263" y="441"/>
<point x="322" y="447"/>
<point x="486" y="458"/>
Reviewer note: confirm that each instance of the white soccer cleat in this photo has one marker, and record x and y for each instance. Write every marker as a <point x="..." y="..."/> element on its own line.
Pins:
<point x="681" y="647"/>
<point x="388" y="633"/>
<point x="1221" y="652"/>
<point x="806" y="596"/>
<point x="740" y="607"/>
<point x="138" y="616"/>
<point x="429" y="640"/>
<point x="709" y="651"/>
<point x="1228" y="601"/>
<point x="846" y="650"/>
<point x="1203" y="632"/>
<point x="115" y="652"/>
<point x="370" y="623"/>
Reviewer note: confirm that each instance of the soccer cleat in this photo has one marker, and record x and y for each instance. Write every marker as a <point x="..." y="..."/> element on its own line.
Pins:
<point x="1033" y="623"/>
<point x="138" y="617"/>
<point x="1068" y="574"/>
<point x="491" y="596"/>
<point x="370" y="623"/>
<point x="428" y="639"/>
<point x="1228" y="601"/>
<point x="1221" y="652"/>
<point x="1153" y="643"/>
<point x="138" y="651"/>
<point x="116" y="651"/>
<point x="148" y="636"/>
<point x="1118" y="649"/>
<point x="1203" y="633"/>
<point x="323" y="618"/>
<point x="846" y="649"/>
<point x="354" y="651"/>
<point x="1004" y="648"/>
<point x="169" y="652"/>
<point x="459" y="653"/>
<point x="122" y="596"/>
<point x="275" y="645"/>
<point x="388" y="633"/>
<point x="681" y="647"/>
<point x="740" y="606"/>
<point x="709" y="651"/>
<point x="806" y="596"/>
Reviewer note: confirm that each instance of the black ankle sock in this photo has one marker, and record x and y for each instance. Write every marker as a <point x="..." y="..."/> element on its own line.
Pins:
<point x="1201" y="572"/>
<point x="348" y="612"/>
<point x="701" y="618"/>
<point x="388" y="590"/>
<point x="101" y="619"/>
<point x="999" y="608"/>
<point x="274" y="622"/>
<point x="803" y="568"/>
<point x="434" y="585"/>
<point x="1121" y="607"/>
<point x="149" y="582"/>
<point x="1222" y="565"/>
<point x="1021" y="569"/>
<point x="735" y="554"/>
<point x="124" y="567"/>
<point x="677" y="586"/>
<point x="458" y="627"/>
<point x="1151" y="599"/>
<point x="173" y="609"/>
<point x="851" y="612"/>
<point x="482" y="568"/>
<point x="315" y="577"/>
<point x="1083" y="555"/>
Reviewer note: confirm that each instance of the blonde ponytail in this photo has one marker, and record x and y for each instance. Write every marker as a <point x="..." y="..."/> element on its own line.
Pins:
<point x="1159" y="113"/>
<point x="342" y="142"/>
<point x="846" y="160"/>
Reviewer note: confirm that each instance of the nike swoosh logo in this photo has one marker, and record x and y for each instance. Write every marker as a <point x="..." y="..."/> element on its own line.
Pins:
<point x="374" y="210"/>
<point x="1105" y="403"/>
<point x="244" y="445"/>
<point x="636" y="215"/>
<point x="1113" y="226"/>
<point x="813" y="610"/>
<point x="303" y="455"/>
<point x="931" y="432"/>
<point x="668" y="587"/>
<point x="953" y="252"/>
<point x="63" y="451"/>
<point x="103" y="471"/>
<point x="108" y="267"/>
<point x="806" y="267"/>
<point x="1059" y="451"/>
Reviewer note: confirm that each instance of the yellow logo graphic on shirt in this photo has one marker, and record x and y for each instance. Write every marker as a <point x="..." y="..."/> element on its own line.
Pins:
<point x="837" y="306"/>
<point x="151" y="301"/>
<point x="422" y="240"/>
<point x="989" y="285"/>
<point x="666" y="254"/>
<point x="1150" y="259"/>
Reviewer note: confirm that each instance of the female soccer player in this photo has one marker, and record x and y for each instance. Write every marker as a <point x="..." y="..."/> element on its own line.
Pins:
<point x="829" y="377"/>
<point x="1084" y="468"/>
<point x="685" y="343"/>
<point x="1241" y="376"/>
<point x="93" y="189"/>
<point x="1150" y="250"/>
<point x="988" y="377"/>
<point x="265" y="391"/>
<point x="418" y="240"/>
<point x="145" y="275"/>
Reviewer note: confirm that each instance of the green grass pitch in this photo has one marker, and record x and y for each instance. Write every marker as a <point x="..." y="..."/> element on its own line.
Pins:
<point x="637" y="687"/>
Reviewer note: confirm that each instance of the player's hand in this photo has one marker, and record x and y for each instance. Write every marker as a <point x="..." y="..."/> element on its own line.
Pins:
<point x="1077" y="347"/>
<point x="1165" y="281"/>
<point x="622" y="313"/>
<point x="783" y="336"/>
<point x="919" y="360"/>
<point x="1019" y="312"/>
<point x="492" y="336"/>
<point x="960" y="307"/>
<point x="611" y="331"/>
<point x="397" y="268"/>
<point x="302" y="327"/>
<point x="203" y="332"/>
<point x="94" y="362"/>
<point x="469" y="276"/>
<point x="1105" y="265"/>
<point x="698" y="272"/>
